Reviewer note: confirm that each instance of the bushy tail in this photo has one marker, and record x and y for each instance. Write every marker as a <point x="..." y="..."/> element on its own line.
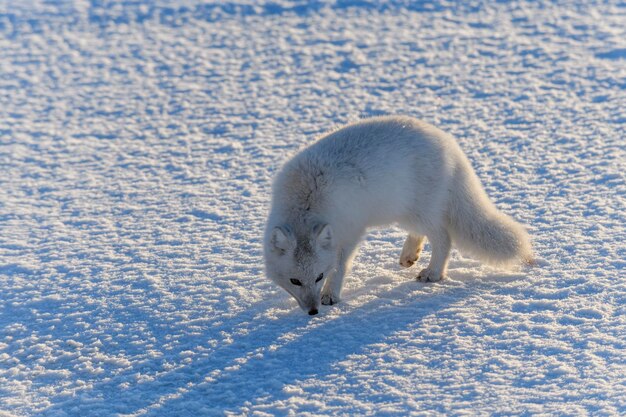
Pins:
<point x="477" y="227"/>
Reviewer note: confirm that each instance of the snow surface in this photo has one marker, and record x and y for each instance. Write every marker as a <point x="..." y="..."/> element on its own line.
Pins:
<point x="137" y="145"/>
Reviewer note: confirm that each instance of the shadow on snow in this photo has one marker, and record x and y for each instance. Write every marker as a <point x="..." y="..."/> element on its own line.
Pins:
<point x="275" y="353"/>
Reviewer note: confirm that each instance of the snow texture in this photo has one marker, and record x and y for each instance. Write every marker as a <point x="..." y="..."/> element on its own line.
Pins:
<point x="137" y="146"/>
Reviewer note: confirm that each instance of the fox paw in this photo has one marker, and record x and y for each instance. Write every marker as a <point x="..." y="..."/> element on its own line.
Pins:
<point x="329" y="299"/>
<point x="429" y="275"/>
<point x="407" y="260"/>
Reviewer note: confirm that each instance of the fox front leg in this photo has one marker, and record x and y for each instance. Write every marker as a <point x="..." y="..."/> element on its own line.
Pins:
<point x="331" y="292"/>
<point x="332" y="288"/>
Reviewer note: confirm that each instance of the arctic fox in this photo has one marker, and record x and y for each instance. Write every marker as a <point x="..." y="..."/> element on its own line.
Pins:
<point x="377" y="172"/>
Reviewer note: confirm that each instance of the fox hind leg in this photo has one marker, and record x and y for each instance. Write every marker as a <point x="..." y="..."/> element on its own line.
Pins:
<point x="411" y="250"/>
<point x="441" y="244"/>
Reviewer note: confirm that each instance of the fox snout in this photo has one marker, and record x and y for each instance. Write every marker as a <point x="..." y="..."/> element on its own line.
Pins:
<point x="310" y="303"/>
<point x="312" y="309"/>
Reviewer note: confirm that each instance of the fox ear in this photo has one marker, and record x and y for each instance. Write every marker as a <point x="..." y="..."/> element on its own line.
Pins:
<point x="325" y="237"/>
<point x="280" y="240"/>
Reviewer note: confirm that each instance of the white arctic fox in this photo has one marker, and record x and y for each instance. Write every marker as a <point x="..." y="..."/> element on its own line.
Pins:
<point x="376" y="172"/>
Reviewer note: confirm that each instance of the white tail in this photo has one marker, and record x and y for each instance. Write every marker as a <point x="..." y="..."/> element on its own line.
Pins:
<point x="478" y="228"/>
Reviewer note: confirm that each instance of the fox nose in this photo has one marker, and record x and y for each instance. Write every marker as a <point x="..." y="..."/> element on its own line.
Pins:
<point x="313" y="312"/>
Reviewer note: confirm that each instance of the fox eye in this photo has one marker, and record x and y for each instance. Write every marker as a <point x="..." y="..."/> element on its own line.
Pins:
<point x="320" y="277"/>
<point x="296" y="282"/>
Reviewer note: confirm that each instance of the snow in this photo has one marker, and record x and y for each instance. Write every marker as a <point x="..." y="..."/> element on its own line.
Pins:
<point x="137" y="146"/>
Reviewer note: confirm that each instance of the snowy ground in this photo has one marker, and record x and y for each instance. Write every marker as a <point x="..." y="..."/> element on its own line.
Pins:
<point x="137" y="145"/>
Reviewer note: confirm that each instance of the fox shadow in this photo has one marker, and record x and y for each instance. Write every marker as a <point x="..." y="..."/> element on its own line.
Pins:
<point x="266" y="347"/>
<point x="252" y="355"/>
<point x="296" y="348"/>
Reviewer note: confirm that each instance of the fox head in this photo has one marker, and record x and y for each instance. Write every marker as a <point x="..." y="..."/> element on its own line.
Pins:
<point x="301" y="262"/>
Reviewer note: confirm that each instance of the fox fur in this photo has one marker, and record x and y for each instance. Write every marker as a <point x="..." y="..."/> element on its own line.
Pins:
<point x="376" y="172"/>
